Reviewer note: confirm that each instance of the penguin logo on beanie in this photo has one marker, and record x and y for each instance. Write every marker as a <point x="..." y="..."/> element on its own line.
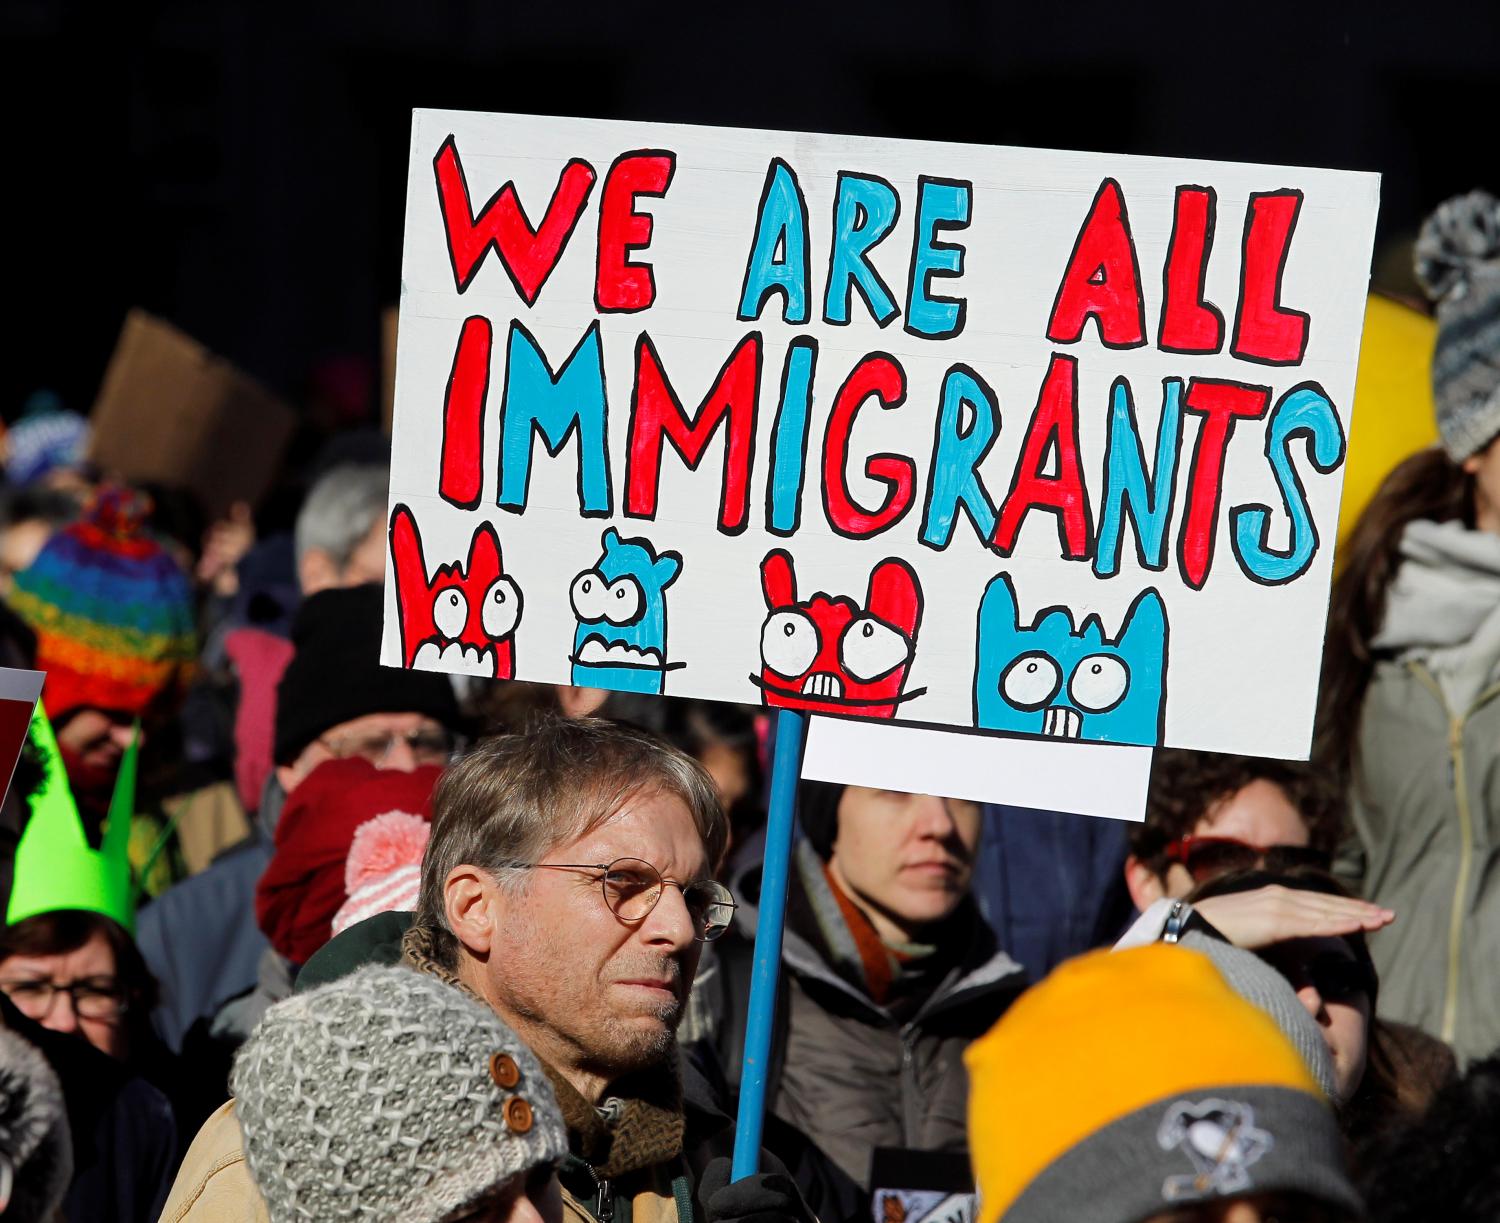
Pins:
<point x="1221" y="1140"/>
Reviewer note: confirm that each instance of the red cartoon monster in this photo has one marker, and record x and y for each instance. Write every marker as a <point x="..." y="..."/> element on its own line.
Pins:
<point x="457" y="621"/>
<point x="828" y="655"/>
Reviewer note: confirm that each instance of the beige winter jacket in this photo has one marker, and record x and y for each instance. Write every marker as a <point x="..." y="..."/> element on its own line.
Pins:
<point x="214" y="1185"/>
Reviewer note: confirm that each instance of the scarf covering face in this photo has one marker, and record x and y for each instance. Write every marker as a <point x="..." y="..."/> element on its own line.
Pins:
<point x="639" y="1126"/>
<point x="1443" y="608"/>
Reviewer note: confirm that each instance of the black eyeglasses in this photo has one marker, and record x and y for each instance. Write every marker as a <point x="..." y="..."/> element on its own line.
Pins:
<point x="632" y="886"/>
<point x="97" y="999"/>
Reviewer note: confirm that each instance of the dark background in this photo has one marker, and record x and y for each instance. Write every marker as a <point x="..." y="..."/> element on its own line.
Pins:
<point x="240" y="167"/>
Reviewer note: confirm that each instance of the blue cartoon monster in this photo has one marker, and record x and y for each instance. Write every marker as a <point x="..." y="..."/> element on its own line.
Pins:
<point x="621" y="605"/>
<point x="1052" y="680"/>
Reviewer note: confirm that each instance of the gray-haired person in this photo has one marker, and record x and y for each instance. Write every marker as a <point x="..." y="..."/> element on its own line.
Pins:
<point x="340" y="532"/>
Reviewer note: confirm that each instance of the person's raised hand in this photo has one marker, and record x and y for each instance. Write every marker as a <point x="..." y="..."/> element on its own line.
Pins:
<point x="224" y="545"/>
<point x="1275" y="913"/>
<point x="761" y="1197"/>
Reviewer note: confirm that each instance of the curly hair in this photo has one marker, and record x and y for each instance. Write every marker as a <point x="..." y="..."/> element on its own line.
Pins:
<point x="1187" y="786"/>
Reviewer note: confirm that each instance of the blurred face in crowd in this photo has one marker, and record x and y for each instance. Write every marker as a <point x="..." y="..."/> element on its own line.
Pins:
<point x="317" y="570"/>
<point x="403" y="741"/>
<point x="1259" y="814"/>
<point x="532" y="1198"/>
<point x="76" y="991"/>
<point x="1331" y="983"/>
<point x="1485" y="468"/>
<point x="92" y="742"/>
<point x="905" y="859"/>
<point x="593" y="994"/>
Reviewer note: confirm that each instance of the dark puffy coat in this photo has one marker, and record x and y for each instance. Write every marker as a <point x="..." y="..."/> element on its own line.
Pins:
<point x="846" y="1073"/>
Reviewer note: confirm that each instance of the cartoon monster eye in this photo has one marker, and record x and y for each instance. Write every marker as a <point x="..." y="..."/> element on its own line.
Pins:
<point x="870" y="648"/>
<point x="588" y="595"/>
<point x="1099" y="683"/>
<point x="450" y="612"/>
<point x="622" y="603"/>
<point x="788" y="643"/>
<point x="501" y="610"/>
<point x="1031" y="681"/>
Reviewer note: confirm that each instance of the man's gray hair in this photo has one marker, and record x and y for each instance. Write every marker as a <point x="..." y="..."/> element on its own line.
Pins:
<point x="341" y="509"/>
<point x="516" y="797"/>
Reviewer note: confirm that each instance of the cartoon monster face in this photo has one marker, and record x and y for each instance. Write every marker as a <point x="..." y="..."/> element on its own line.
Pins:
<point x="621" y="641"/>
<point x="829" y="655"/>
<point x="1050" y="680"/>
<point x="456" y="621"/>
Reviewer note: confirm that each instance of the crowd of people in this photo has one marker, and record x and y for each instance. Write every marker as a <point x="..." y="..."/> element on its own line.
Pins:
<point x="290" y="935"/>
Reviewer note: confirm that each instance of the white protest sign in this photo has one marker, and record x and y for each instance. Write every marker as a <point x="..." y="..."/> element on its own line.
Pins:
<point x="1100" y="779"/>
<point x="1037" y="442"/>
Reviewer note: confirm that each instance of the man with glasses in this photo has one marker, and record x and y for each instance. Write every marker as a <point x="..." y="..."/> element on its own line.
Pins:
<point x="569" y="884"/>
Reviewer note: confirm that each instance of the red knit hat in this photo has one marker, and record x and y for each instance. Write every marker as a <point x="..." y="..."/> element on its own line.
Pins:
<point x="303" y="886"/>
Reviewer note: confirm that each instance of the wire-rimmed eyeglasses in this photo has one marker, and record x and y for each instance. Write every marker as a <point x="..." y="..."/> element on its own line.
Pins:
<point x="632" y="887"/>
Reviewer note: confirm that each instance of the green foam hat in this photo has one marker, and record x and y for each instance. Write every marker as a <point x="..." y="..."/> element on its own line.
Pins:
<point x="56" y="868"/>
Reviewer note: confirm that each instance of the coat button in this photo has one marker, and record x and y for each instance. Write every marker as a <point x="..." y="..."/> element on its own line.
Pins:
<point x="518" y="1114"/>
<point x="504" y="1071"/>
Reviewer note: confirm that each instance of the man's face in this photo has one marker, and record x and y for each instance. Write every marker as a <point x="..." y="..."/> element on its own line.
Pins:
<point x="1330" y="983"/>
<point x="92" y="742"/>
<point x="909" y="857"/>
<point x="403" y="741"/>
<point x="1259" y="814"/>
<point x="589" y="989"/>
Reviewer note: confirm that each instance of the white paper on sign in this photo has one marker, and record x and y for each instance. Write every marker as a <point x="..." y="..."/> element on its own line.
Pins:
<point x="1027" y="441"/>
<point x="1049" y="775"/>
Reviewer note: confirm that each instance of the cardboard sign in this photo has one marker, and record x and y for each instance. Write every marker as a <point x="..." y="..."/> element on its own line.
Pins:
<point x="171" y="411"/>
<point x="1039" y="443"/>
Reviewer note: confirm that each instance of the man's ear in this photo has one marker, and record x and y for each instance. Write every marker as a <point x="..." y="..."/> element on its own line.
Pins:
<point x="316" y="571"/>
<point x="1143" y="883"/>
<point x="466" y="896"/>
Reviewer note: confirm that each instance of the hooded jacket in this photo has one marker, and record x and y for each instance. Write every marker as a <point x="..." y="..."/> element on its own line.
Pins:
<point x="849" y="1074"/>
<point x="1425" y="795"/>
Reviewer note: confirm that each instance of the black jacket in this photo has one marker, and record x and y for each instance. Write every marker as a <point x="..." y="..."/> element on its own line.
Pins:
<point x="124" y="1136"/>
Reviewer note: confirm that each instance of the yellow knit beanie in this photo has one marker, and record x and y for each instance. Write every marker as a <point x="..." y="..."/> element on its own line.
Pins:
<point x="1133" y="1082"/>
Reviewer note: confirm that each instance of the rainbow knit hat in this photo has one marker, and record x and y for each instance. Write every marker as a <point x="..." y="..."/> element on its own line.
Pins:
<point x="112" y="611"/>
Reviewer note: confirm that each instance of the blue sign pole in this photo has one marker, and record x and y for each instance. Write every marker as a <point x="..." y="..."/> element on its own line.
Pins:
<point x="786" y="768"/>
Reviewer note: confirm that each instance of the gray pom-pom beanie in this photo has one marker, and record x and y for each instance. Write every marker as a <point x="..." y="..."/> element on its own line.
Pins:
<point x="1257" y="982"/>
<point x="1458" y="263"/>
<point x="389" y="1095"/>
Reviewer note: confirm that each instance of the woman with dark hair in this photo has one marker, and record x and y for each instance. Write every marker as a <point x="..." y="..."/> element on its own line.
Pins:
<point x="1387" y="1074"/>
<point x="1408" y="713"/>
<point x="80" y="973"/>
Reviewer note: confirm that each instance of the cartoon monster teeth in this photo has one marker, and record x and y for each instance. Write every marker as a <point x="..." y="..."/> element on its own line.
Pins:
<point x="463" y="618"/>
<point x="621" y="605"/>
<point x="827" y="654"/>
<point x="1050" y="679"/>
